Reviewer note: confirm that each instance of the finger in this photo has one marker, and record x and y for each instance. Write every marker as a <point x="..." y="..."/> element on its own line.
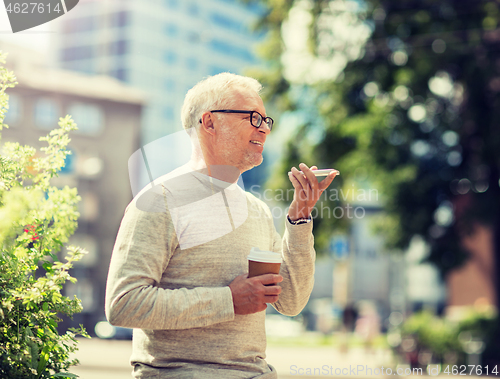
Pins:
<point x="269" y="278"/>
<point x="313" y="180"/>
<point x="296" y="184"/>
<point x="304" y="183"/>
<point x="272" y="290"/>
<point x="299" y="193"/>
<point x="314" y="167"/>
<point x="271" y="299"/>
<point x="296" y="173"/>
<point x="299" y="184"/>
<point x="327" y="181"/>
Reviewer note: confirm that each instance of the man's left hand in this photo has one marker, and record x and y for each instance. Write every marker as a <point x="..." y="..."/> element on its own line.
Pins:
<point x="307" y="190"/>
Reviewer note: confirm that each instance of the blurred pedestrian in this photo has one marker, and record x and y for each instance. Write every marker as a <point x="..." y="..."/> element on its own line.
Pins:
<point x="349" y="317"/>
<point x="368" y="324"/>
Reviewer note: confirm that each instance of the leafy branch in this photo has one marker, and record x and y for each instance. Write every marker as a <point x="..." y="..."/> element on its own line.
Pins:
<point x="36" y="220"/>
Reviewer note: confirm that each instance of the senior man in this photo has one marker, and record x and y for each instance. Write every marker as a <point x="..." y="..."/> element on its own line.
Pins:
<point x="178" y="272"/>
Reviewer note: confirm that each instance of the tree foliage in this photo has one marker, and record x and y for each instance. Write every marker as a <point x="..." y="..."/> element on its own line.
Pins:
<point x="36" y="220"/>
<point x="413" y="109"/>
<point x="440" y="340"/>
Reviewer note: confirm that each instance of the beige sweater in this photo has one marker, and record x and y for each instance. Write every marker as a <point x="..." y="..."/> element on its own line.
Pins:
<point x="174" y="292"/>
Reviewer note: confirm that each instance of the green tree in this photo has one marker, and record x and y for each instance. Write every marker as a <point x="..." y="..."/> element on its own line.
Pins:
<point x="413" y="107"/>
<point x="36" y="220"/>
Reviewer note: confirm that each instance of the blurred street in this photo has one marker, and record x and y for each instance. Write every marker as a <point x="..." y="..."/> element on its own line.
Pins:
<point x="108" y="359"/>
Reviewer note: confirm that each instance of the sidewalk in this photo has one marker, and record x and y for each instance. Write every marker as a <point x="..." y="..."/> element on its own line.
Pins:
<point x="326" y="362"/>
<point x="103" y="359"/>
<point x="107" y="359"/>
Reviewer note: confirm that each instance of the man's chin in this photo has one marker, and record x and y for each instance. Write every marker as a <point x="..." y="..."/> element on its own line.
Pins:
<point x="253" y="162"/>
<point x="257" y="160"/>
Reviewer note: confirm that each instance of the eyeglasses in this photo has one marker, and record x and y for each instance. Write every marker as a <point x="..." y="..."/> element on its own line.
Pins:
<point x="255" y="117"/>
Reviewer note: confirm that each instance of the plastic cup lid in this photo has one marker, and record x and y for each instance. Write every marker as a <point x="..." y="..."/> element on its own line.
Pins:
<point x="266" y="256"/>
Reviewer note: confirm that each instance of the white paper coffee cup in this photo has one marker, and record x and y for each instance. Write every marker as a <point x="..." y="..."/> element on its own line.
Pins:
<point x="262" y="262"/>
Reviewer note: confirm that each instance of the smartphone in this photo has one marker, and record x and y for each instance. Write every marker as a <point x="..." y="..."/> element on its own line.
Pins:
<point x="322" y="172"/>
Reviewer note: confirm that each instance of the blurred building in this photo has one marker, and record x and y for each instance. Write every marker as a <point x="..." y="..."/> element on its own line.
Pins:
<point x="361" y="271"/>
<point x="163" y="47"/>
<point x="474" y="282"/>
<point x="108" y="115"/>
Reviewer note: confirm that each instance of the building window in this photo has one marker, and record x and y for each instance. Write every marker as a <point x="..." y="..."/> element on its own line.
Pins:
<point x="89" y="243"/>
<point x="227" y="22"/>
<point x="119" y="19"/>
<point x="169" y="84"/>
<point x="169" y="113"/>
<point x="47" y="113"/>
<point x="69" y="163"/>
<point x="171" y="30"/>
<point x="231" y="50"/>
<point x="192" y="63"/>
<point x="118" y="47"/>
<point x="214" y="70"/>
<point x="88" y="118"/>
<point x="14" y="113"/>
<point x="77" y="53"/>
<point x="193" y="37"/>
<point x="86" y="66"/>
<point x="85" y="290"/>
<point x="78" y="25"/>
<point x="170" y="57"/>
<point x="193" y="9"/>
<point x="120" y="74"/>
<point x="90" y="166"/>
<point x="89" y="207"/>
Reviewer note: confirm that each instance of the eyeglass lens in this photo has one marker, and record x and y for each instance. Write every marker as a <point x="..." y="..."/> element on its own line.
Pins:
<point x="257" y="120"/>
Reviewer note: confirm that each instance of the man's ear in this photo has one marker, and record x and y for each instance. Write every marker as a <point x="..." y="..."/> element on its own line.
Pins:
<point x="207" y="122"/>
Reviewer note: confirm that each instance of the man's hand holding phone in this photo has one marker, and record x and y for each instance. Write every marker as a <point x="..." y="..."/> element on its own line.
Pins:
<point x="307" y="189"/>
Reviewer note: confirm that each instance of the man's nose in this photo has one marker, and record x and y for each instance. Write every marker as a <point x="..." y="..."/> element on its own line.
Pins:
<point x="264" y="128"/>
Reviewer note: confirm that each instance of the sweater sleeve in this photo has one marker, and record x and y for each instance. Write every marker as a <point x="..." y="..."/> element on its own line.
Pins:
<point x="297" y="269"/>
<point x="144" y="245"/>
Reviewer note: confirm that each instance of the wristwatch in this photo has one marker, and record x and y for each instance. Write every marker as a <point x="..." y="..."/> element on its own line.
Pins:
<point x="299" y="221"/>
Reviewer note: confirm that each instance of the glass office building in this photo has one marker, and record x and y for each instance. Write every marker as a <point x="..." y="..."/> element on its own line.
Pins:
<point x="163" y="47"/>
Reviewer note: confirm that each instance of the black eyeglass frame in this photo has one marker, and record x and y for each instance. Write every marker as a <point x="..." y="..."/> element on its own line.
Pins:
<point x="268" y="120"/>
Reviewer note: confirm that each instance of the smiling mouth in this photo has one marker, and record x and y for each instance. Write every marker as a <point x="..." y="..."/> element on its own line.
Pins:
<point x="257" y="143"/>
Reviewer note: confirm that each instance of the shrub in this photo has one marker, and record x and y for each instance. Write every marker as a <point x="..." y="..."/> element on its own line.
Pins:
<point x="36" y="220"/>
<point x="444" y="340"/>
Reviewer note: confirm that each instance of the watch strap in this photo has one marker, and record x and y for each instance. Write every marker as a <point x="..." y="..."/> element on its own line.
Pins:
<point x="299" y="221"/>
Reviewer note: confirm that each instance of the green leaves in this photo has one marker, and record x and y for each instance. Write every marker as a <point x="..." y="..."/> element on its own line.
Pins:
<point x="387" y="119"/>
<point x="55" y="152"/>
<point x="441" y="336"/>
<point x="7" y="80"/>
<point x="36" y="220"/>
<point x="64" y="375"/>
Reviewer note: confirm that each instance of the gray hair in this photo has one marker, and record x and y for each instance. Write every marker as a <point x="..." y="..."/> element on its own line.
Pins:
<point x="214" y="92"/>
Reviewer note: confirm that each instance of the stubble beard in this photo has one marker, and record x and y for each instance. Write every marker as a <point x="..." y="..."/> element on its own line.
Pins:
<point x="232" y="156"/>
